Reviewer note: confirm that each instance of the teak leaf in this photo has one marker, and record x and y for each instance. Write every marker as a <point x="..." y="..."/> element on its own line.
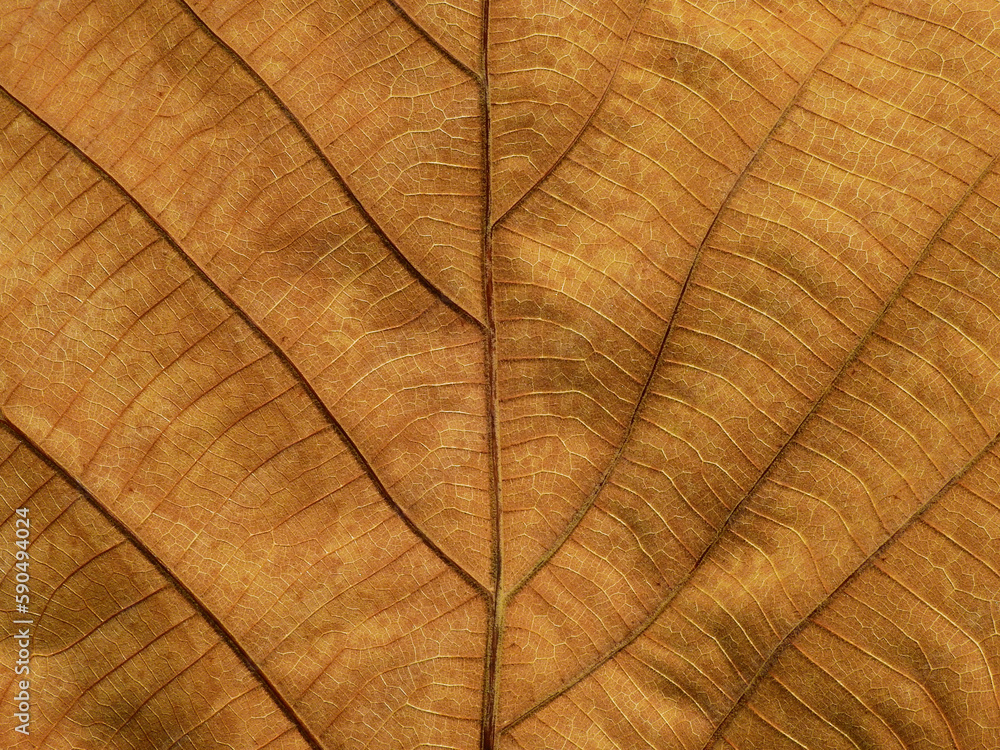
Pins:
<point x="502" y="375"/>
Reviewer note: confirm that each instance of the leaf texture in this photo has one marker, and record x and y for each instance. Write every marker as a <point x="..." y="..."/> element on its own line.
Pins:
<point x="502" y="375"/>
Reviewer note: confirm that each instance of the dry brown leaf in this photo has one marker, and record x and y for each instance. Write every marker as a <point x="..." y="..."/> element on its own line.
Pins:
<point x="503" y="375"/>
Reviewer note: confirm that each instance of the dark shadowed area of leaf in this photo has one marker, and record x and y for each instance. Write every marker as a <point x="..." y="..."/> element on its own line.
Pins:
<point x="502" y="375"/>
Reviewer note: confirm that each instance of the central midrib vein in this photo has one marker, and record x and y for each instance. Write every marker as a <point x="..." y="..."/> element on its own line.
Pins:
<point x="495" y="606"/>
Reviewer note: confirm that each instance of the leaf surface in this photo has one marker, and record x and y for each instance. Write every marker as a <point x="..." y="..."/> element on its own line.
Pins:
<point x="497" y="374"/>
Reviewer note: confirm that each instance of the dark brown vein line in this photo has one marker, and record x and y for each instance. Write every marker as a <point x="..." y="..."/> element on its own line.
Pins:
<point x="586" y="125"/>
<point x="584" y="509"/>
<point x="868" y="562"/>
<point x="200" y="608"/>
<point x="665" y="602"/>
<point x="268" y="91"/>
<point x="273" y="345"/>
<point x="496" y="605"/>
<point x="434" y="41"/>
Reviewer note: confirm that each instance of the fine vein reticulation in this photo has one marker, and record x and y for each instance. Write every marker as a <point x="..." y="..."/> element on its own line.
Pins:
<point x="601" y="376"/>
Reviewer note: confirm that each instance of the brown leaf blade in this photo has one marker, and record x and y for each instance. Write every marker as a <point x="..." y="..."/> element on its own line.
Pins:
<point x="411" y="373"/>
<point x="109" y="623"/>
<point x="213" y="157"/>
<point x="182" y="420"/>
